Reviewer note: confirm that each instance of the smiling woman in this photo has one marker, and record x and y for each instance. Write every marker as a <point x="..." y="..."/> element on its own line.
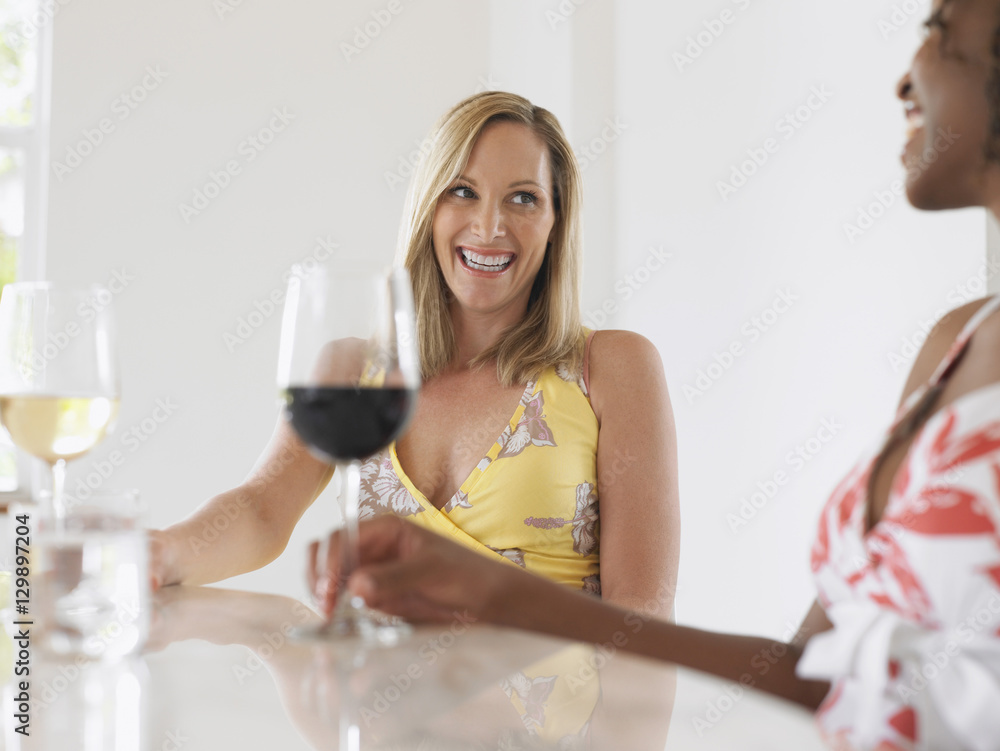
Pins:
<point x="523" y="415"/>
<point x="500" y="174"/>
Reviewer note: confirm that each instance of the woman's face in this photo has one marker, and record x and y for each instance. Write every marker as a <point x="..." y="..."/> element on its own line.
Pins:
<point x="947" y="111"/>
<point x="493" y="223"/>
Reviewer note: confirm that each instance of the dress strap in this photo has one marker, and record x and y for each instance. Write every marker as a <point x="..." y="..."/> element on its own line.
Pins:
<point x="958" y="348"/>
<point x="586" y="362"/>
<point x="950" y="360"/>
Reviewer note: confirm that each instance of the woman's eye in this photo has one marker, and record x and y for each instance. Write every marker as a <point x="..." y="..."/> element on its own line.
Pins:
<point x="463" y="191"/>
<point x="525" y="199"/>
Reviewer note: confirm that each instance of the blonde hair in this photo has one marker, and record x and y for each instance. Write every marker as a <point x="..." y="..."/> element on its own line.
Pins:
<point x="550" y="332"/>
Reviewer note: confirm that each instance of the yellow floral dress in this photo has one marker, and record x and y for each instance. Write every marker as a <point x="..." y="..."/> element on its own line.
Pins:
<point x="532" y="501"/>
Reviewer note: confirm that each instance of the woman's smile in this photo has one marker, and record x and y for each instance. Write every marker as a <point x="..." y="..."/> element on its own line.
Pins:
<point x="484" y="262"/>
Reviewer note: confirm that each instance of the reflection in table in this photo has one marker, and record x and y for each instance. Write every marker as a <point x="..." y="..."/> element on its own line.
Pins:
<point x="220" y="672"/>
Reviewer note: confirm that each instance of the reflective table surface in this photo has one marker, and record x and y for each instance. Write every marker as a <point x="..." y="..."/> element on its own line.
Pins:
<point x="220" y="672"/>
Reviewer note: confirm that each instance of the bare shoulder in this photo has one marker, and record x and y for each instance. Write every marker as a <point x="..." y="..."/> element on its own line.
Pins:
<point x="943" y="336"/>
<point x="616" y="353"/>
<point x="981" y="364"/>
<point x="622" y="365"/>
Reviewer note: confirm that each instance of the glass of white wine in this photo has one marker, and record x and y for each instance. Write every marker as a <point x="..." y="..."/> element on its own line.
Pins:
<point x="59" y="381"/>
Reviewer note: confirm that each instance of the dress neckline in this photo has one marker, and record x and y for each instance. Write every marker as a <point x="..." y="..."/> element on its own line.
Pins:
<point x="477" y="471"/>
<point x="914" y="403"/>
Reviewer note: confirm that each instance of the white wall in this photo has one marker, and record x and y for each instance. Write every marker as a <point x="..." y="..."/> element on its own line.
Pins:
<point x="651" y="183"/>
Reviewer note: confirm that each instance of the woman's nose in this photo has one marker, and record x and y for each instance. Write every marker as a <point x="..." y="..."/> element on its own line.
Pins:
<point x="488" y="221"/>
<point x="904" y="87"/>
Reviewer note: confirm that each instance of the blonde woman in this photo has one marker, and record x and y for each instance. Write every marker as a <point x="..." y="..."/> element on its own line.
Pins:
<point x="526" y="421"/>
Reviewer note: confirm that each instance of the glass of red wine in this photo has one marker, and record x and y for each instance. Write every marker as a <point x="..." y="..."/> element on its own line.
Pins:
<point x="349" y="372"/>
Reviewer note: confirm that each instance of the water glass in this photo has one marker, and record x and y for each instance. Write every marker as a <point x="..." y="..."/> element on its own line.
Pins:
<point x="90" y="579"/>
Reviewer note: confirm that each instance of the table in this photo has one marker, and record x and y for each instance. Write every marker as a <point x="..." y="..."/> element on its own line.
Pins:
<point x="220" y="672"/>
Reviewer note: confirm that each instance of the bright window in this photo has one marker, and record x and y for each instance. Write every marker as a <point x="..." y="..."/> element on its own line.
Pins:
<point x="25" y="45"/>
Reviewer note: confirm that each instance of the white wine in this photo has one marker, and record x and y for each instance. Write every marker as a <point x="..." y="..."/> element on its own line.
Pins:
<point x="57" y="427"/>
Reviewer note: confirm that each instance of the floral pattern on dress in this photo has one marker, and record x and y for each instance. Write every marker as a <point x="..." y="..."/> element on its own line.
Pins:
<point x="511" y="554"/>
<point x="592" y="585"/>
<point x="531" y="430"/>
<point x="574" y="375"/>
<point x="935" y="552"/>
<point x="382" y="492"/>
<point x="533" y="693"/>
<point x="459" y="500"/>
<point x="584" y="523"/>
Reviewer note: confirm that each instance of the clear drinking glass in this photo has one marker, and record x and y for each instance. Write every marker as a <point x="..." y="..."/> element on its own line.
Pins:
<point x="90" y="578"/>
<point x="59" y="383"/>
<point x="349" y="372"/>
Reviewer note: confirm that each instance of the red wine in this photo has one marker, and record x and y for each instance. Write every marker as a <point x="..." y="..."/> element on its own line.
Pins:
<point x="348" y="423"/>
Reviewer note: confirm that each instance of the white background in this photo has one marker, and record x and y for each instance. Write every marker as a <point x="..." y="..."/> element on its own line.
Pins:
<point x="683" y="128"/>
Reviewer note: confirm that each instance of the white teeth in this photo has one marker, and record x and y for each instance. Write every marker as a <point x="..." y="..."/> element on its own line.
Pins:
<point x="914" y="119"/>
<point x="914" y="123"/>
<point x="486" y="263"/>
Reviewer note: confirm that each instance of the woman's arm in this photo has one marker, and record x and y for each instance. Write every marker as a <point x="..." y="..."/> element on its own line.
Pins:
<point x="636" y="473"/>
<point x="244" y="528"/>
<point x="411" y="572"/>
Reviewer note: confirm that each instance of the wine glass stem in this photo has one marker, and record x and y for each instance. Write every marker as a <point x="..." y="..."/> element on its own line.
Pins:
<point x="350" y="558"/>
<point x="57" y="512"/>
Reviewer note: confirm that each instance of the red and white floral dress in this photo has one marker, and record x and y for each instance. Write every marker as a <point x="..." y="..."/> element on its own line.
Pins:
<point x="914" y="655"/>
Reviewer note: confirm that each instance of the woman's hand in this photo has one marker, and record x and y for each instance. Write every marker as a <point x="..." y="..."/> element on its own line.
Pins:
<point x="408" y="571"/>
<point x="161" y="560"/>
